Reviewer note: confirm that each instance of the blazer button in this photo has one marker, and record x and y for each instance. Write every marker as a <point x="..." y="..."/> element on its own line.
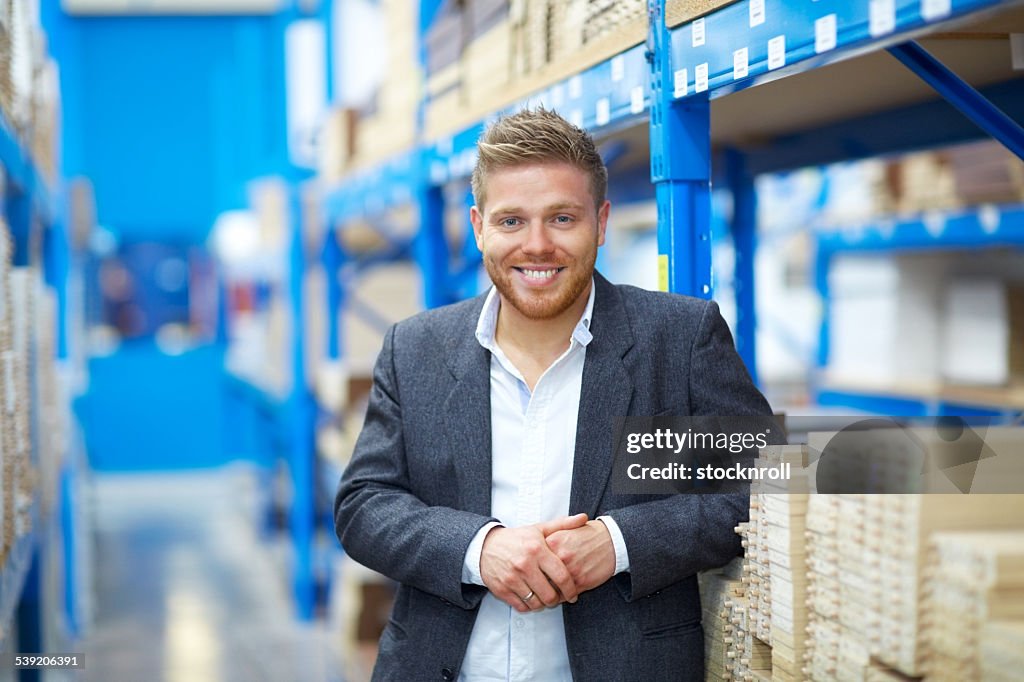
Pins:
<point x="447" y="675"/>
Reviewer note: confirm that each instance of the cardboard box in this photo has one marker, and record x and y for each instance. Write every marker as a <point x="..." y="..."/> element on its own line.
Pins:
<point x="983" y="332"/>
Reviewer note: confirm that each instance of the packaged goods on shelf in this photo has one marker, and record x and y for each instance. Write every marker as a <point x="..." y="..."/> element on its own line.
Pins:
<point x="1002" y="650"/>
<point x="337" y="144"/>
<point x="718" y="589"/>
<point x="973" y="577"/>
<point x="50" y="434"/>
<point x="512" y="49"/>
<point x="681" y="11"/>
<point x="391" y="127"/>
<point x="23" y="283"/>
<point x="925" y="183"/>
<point x="983" y="332"/>
<point x="7" y="435"/>
<point x="6" y="56"/>
<point x="392" y="289"/>
<point x="885" y="319"/>
<point x="867" y="580"/>
<point x="986" y="172"/>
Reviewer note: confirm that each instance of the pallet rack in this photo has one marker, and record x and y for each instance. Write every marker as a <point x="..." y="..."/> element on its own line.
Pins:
<point x="692" y="83"/>
<point x="39" y="236"/>
<point x="672" y="81"/>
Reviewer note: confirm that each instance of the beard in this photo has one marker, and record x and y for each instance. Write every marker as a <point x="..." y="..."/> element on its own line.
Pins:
<point x="544" y="305"/>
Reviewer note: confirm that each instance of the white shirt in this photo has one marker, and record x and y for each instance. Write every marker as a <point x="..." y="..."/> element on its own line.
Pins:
<point x="533" y="441"/>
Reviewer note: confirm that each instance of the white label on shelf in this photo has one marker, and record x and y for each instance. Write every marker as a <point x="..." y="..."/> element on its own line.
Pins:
<point x="935" y="223"/>
<point x="700" y="78"/>
<point x="557" y="95"/>
<point x="618" y="68"/>
<point x="576" y="118"/>
<point x="603" y="111"/>
<point x="777" y="52"/>
<point x="881" y="17"/>
<point x="756" y="13"/>
<point x="1017" y="51"/>
<point x="825" y="34"/>
<point x="935" y="9"/>
<point x="680" y="83"/>
<point x="575" y="87"/>
<point x="989" y="217"/>
<point x="636" y="100"/>
<point x="740" y="61"/>
<point x="698" y="32"/>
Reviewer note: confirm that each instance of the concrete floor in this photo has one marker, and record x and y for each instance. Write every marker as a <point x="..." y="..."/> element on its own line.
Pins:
<point x="185" y="591"/>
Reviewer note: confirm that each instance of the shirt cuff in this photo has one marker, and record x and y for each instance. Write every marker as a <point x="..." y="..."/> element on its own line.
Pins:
<point x="471" y="564"/>
<point x="621" y="555"/>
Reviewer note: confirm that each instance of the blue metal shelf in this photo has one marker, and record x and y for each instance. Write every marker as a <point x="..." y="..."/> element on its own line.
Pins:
<point x="728" y="50"/>
<point x="22" y="174"/>
<point x="975" y="228"/>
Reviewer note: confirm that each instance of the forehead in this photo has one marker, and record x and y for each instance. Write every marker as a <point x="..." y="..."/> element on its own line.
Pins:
<point x="537" y="184"/>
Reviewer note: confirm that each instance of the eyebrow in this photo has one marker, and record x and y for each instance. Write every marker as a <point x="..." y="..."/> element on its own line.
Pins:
<point x="560" y="206"/>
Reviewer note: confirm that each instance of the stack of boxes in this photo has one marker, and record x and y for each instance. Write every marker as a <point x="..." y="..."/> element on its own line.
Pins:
<point x="391" y="127"/>
<point x="510" y="49"/>
<point x="29" y="89"/>
<point x="1002" y="650"/>
<point x="822" y="588"/>
<point x="681" y="11"/>
<point x="7" y="435"/>
<point x="718" y="591"/>
<point x="23" y="282"/>
<point x="973" y="578"/>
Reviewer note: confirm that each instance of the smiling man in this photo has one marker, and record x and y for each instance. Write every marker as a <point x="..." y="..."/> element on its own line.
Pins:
<point x="480" y="480"/>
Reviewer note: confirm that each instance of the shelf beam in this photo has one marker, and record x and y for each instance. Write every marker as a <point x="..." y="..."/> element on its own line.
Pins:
<point x="961" y="95"/>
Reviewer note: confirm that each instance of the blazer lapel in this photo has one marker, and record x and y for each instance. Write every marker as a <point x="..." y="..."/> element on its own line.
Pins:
<point x="467" y="413"/>
<point x="606" y="393"/>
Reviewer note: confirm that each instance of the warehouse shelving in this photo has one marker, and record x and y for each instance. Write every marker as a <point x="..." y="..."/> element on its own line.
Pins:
<point x="30" y="208"/>
<point x="984" y="227"/>
<point x="704" y="69"/>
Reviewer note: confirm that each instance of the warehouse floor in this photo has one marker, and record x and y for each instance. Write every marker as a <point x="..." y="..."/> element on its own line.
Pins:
<point x="185" y="591"/>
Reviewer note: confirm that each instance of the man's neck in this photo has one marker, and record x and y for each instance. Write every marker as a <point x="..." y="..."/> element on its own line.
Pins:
<point x="534" y="345"/>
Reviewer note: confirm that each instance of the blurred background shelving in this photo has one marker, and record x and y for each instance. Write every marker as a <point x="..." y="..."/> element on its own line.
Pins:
<point x="216" y="209"/>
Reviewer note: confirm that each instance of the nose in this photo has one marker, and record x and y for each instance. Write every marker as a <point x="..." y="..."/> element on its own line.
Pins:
<point x="538" y="239"/>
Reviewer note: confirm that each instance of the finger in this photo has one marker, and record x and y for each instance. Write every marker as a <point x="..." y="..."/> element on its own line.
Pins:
<point x="544" y="593"/>
<point x="562" y="523"/>
<point x="559" y="577"/>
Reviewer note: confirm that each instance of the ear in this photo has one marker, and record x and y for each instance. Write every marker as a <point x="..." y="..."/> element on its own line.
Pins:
<point x="476" y="217"/>
<point x="602" y="221"/>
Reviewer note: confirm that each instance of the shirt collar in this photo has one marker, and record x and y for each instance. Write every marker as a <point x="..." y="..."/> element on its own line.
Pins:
<point x="488" y="320"/>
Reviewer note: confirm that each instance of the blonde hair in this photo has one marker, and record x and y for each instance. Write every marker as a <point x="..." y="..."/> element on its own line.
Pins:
<point x="537" y="136"/>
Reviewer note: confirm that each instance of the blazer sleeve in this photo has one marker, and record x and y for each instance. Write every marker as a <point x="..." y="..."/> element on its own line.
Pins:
<point x="381" y="523"/>
<point x="675" y="537"/>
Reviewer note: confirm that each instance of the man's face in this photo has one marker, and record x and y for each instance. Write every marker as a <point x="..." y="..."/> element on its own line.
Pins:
<point x="539" y="232"/>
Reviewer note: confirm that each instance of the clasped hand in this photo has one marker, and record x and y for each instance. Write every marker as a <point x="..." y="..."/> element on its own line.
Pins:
<point x="542" y="565"/>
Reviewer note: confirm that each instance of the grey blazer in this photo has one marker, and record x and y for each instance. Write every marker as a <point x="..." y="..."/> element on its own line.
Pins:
<point x="418" y="487"/>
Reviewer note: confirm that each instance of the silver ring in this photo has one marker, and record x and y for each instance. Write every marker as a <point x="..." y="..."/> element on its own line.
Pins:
<point x="528" y="597"/>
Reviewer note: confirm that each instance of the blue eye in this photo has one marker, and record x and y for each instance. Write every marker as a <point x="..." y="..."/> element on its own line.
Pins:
<point x="510" y="222"/>
<point x="563" y="219"/>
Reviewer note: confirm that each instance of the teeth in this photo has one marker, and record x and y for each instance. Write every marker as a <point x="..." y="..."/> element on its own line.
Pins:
<point x="540" y="274"/>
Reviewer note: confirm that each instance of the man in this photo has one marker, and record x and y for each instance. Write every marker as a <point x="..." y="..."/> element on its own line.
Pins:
<point x="480" y="479"/>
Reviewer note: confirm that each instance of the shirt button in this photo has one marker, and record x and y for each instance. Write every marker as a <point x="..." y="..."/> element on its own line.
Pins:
<point x="520" y="622"/>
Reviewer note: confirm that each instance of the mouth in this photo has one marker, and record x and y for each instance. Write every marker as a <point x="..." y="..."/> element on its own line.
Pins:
<point x="538" y="275"/>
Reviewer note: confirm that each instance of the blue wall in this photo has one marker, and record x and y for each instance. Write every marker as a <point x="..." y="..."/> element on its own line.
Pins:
<point x="169" y="117"/>
<point x="175" y="115"/>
